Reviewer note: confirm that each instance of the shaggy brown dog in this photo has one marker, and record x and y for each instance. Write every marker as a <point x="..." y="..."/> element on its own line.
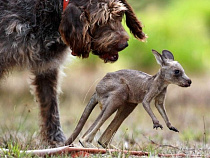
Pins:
<point x="34" y="34"/>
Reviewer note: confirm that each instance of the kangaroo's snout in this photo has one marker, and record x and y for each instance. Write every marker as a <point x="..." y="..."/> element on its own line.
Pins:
<point x="186" y="83"/>
<point x="189" y="82"/>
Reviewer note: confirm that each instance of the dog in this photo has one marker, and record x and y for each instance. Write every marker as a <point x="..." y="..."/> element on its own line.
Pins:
<point x="36" y="34"/>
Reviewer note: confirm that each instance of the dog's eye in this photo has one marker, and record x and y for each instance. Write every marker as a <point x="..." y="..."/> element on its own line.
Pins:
<point x="176" y="72"/>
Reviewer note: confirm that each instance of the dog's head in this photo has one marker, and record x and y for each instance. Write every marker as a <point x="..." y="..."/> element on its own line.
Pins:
<point x="95" y="26"/>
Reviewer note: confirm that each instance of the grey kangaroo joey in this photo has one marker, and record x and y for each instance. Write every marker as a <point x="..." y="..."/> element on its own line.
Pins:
<point x="121" y="91"/>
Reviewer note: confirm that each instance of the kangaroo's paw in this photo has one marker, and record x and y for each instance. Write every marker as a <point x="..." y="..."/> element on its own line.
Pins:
<point x="157" y="125"/>
<point x="86" y="144"/>
<point x="110" y="146"/>
<point x="173" y="129"/>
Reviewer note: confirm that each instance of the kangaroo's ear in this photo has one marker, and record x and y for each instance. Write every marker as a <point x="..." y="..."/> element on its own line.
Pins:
<point x="158" y="57"/>
<point x="167" y="55"/>
<point x="133" y="23"/>
<point x="74" y="31"/>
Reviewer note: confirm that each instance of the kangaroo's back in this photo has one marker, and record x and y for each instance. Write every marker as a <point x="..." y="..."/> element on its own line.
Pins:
<point x="137" y="83"/>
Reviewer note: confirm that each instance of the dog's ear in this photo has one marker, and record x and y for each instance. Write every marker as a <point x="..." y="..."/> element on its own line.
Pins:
<point x="116" y="9"/>
<point x="74" y="31"/>
<point x="101" y="13"/>
<point x="133" y="23"/>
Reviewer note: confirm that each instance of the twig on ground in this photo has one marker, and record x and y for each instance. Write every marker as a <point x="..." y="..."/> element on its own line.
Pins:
<point x="87" y="151"/>
<point x="72" y="150"/>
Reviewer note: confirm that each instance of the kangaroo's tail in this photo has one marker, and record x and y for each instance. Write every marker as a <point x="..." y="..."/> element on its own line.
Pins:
<point x="88" y="109"/>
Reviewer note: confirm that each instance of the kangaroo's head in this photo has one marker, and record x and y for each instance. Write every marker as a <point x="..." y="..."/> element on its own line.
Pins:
<point x="171" y="71"/>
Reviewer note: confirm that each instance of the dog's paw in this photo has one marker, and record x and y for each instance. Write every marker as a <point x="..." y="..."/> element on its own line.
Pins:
<point x="57" y="139"/>
<point x="60" y="137"/>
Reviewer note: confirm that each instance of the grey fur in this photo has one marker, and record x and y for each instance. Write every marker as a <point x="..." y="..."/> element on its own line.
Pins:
<point x="122" y="90"/>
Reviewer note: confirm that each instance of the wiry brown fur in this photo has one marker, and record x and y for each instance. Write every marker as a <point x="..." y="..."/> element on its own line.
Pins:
<point x="133" y="23"/>
<point x="99" y="29"/>
<point x="35" y="34"/>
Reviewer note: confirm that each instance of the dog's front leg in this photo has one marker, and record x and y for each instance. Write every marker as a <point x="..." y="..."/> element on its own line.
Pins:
<point x="46" y="91"/>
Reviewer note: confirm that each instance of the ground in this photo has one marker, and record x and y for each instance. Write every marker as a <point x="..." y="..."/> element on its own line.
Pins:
<point x="188" y="110"/>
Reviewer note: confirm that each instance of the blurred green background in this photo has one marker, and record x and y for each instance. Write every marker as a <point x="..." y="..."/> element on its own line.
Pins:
<point x="183" y="27"/>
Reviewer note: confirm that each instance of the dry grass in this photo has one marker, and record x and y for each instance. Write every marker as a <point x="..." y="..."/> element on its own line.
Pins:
<point x="188" y="110"/>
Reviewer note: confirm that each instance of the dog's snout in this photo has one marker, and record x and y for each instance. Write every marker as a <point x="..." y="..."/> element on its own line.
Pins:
<point x="122" y="45"/>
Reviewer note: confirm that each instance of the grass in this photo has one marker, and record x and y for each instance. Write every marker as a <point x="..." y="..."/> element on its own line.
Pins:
<point x="188" y="110"/>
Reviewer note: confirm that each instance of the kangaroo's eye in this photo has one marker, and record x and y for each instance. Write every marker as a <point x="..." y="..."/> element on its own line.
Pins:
<point x="176" y="72"/>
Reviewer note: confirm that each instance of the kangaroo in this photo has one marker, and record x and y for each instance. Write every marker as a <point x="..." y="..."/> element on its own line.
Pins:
<point x="122" y="90"/>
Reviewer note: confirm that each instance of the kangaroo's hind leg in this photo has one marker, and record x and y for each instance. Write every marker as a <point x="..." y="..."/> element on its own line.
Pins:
<point x="94" y="123"/>
<point x="82" y="140"/>
<point x="88" y="138"/>
<point x="121" y="115"/>
<point x="109" y="107"/>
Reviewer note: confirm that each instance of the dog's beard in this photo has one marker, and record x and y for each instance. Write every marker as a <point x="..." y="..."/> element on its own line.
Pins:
<point x="107" y="57"/>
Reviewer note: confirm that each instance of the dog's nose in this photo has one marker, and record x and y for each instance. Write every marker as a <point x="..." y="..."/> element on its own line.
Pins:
<point x="122" y="45"/>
